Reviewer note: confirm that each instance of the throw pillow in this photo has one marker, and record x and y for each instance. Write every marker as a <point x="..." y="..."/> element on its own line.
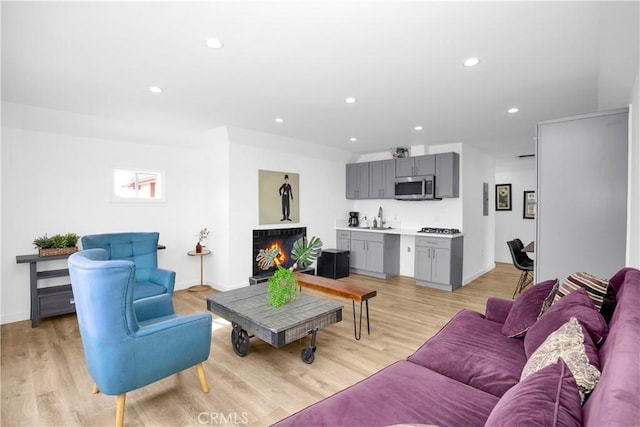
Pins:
<point x="547" y="398"/>
<point x="548" y="301"/>
<point x="527" y="307"/>
<point x="577" y="304"/>
<point x="567" y="343"/>
<point x="599" y="290"/>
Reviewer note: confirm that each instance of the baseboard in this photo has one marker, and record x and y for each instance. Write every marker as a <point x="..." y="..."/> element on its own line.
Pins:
<point x="470" y="279"/>
<point x="15" y="317"/>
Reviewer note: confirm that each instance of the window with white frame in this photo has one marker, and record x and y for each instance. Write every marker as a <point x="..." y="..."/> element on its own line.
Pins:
<point x="143" y="185"/>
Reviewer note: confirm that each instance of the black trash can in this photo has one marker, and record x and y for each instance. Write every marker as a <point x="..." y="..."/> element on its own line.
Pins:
<point x="333" y="263"/>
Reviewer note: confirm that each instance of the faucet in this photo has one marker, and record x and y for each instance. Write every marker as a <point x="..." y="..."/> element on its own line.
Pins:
<point x="380" y="216"/>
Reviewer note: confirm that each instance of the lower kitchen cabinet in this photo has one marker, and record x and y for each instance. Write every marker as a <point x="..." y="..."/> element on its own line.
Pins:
<point x="438" y="262"/>
<point x="372" y="254"/>
<point x="343" y="240"/>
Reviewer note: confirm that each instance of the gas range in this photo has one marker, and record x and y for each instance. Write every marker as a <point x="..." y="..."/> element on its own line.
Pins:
<point x="434" y="230"/>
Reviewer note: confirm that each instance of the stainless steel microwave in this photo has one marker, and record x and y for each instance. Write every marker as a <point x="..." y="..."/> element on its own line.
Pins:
<point x="415" y="188"/>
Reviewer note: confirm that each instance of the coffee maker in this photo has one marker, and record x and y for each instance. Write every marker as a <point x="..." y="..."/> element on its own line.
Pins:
<point x="354" y="221"/>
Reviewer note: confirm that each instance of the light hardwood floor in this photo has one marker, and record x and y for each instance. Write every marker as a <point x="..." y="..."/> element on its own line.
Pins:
<point x="45" y="382"/>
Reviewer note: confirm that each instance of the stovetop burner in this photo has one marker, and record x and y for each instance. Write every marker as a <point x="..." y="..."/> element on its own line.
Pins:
<point x="435" y="230"/>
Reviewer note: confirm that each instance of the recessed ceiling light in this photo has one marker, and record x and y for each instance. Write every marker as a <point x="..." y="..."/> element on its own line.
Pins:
<point x="512" y="110"/>
<point x="418" y="128"/>
<point x="471" y="62"/>
<point x="350" y="100"/>
<point x="155" y="89"/>
<point x="213" y="43"/>
<point x="353" y="139"/>
<point x="279" y="120"/>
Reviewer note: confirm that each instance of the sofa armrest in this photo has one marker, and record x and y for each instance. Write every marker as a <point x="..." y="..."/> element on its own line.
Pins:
<point x="498" y="309"/>
<point x="163" y="277"/>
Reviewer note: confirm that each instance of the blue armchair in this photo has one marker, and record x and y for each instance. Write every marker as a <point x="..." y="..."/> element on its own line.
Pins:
<point x="122" y="352"/>
<point x="142" y="249"/>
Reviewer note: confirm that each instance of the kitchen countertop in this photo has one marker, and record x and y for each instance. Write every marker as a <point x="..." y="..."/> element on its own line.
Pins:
<point x="401" y="231"/>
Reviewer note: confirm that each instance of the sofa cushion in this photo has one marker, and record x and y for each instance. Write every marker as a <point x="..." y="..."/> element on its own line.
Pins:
<point x="473" y="350"/>
<point x="570" y="344"/>
<point x="527" y="308"/>
<point x="147" y="289"/>
<point x="547" y="398"/>
<point x="599" y="290"/>
<point x="577" y="304"/>
<point x="402" y="393"/>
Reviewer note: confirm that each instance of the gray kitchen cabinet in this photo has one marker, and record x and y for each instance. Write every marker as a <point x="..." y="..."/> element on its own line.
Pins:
<point x="357" y="181"/>
<point x="416" y="166"/>
<point x="447" y="173"/>
<point x="438" y="262"/>
<point x="343" y="240"/>
<point x="374" y="254"/>
<point x="382" y="174"/>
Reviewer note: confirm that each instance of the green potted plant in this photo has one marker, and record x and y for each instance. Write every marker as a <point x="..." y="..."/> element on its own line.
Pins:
<point x="283" y="287"/>
<point x="58" y="244"/>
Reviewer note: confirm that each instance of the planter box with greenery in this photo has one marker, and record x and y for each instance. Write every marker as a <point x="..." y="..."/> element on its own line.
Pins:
<point x="58" y="244"/>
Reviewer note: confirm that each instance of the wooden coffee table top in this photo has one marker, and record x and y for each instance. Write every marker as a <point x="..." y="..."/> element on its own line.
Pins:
<point x="278" y="326"/>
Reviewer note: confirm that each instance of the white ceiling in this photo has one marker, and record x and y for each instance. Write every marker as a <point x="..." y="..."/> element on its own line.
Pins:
<point x="300" y="60"/>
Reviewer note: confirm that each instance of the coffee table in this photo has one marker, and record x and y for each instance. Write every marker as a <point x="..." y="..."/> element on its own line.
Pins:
<point x="246" y="308"/>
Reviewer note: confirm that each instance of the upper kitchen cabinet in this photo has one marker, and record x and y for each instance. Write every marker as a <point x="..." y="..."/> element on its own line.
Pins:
<point x="416" y="166"/>
<point x="357" y="181"/>
<point x="447" y="172"/>
<point x="382" y="174"/>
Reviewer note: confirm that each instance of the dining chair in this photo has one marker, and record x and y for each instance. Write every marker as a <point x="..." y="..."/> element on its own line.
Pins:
<point x="519" y="262"/>
<point x="123" y="352"/>
<point x="526" y="257"/>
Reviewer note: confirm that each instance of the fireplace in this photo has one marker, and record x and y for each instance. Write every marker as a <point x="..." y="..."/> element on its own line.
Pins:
<point x="279" y="241"/>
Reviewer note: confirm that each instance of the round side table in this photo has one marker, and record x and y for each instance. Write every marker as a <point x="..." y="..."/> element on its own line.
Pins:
<point x="201" y="286"/>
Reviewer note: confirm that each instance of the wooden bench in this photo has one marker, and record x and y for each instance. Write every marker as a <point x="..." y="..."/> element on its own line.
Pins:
<point x="341" y="289"/>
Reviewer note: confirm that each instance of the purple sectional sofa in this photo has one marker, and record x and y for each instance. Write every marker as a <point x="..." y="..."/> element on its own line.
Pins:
<point x="468" y="374"/>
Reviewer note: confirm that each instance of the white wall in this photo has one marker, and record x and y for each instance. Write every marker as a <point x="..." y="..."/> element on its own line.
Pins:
<point x="215" y="198"/>
<point x="521" y="174"/>
<point x="321" y="193"/>
<point x="211" y="181"/>
<point x="633" y="231"/>
<point x="479" y="230"/>
<point x="54" y="183"/>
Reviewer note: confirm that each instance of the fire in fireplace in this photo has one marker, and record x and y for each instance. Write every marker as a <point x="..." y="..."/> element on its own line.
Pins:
<point x="277" y="241"/>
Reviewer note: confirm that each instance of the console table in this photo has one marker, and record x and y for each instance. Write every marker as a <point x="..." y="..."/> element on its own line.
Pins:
<point x="52" y="300"/>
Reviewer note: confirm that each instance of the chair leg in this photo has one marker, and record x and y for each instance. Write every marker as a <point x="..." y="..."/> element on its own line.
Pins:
<point x="120" y="409"/>
<point x="95" y="389"/>
<point x="523" y="281"/>
<point x="203" y="379"/>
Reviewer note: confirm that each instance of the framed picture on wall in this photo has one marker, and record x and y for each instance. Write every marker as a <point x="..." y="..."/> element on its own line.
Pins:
<point x="279" y="195"/>
<point x="503" y="197"/>
<point x="529" y="205"/>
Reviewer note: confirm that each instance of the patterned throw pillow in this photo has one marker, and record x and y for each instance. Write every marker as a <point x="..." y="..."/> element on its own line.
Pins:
<point x="568" y="344"/>
<point x="550" y="298"/>
<point x="527" y="308"/>
<point x="598" y="289"/>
